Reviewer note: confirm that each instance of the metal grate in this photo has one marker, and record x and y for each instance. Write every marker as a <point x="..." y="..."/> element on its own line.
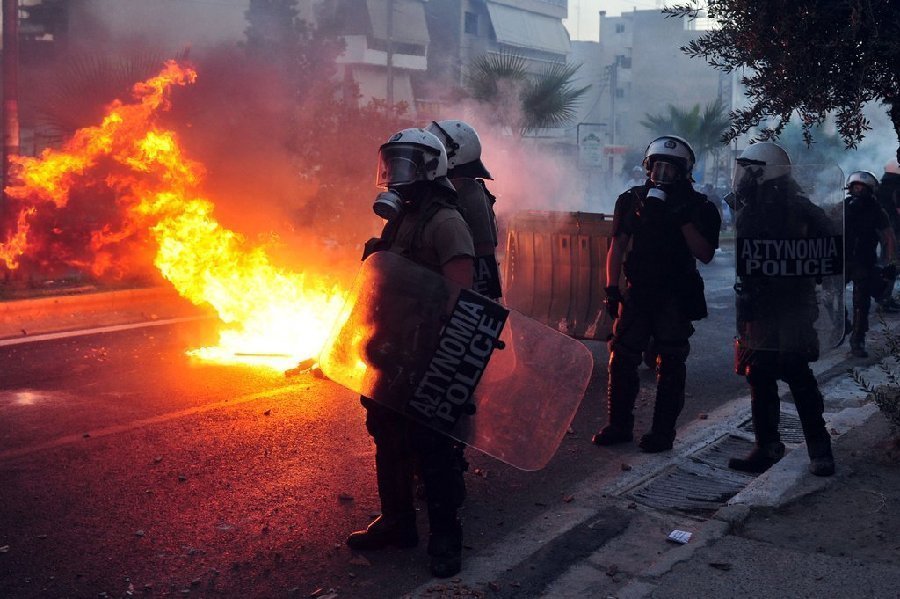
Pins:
<point x="718" y="453"/>
<point x="788" y="426"/>
<point x="691" y="487"/>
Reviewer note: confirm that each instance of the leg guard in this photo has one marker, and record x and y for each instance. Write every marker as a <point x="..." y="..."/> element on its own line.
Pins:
<point x="810" y="408"/>
<point x="393" y="469"/>
<point x="443" y="465"/>
<point x="765" y="405"/>
<point x="670" y="381"/>
<point x="621" y="392"/>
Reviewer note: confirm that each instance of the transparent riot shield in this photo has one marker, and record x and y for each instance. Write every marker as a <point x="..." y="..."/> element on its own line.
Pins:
<point x="789" y="259"/>
<point x="457" y="362"/>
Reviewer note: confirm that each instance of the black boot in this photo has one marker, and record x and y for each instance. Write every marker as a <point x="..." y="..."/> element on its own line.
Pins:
<point x="858" y="334"/>
<point x="671" y="375"/>
<point x="654" y="442"/>
<point x="821" y="460"/>
<point x="445" y="549"/>
<point x="621" y="392"/>
<point x="760" y="459"/>
<point x="396" y="530"/>
<point x="810" y="408"/>
<point x="765" y="410"/>
<point x="396" y="525"/>
<point x="612" y="435"/>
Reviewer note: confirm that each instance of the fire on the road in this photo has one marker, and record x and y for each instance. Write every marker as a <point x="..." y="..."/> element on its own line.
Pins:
<point x="271" y="315"/>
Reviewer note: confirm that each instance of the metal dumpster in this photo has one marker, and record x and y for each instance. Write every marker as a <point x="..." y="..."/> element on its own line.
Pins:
<point x="555" y="270"/>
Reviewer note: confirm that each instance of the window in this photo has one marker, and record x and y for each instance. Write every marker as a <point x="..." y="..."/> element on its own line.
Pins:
<point x="620" y="28"/>
<point x="471" y="23"/>
<point x="623" y="61"/>
<point x="620" y="93"/>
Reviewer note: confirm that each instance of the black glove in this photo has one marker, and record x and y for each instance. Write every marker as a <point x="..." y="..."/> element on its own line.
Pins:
<point x="889" y="272"/>
<point x="612" y="301"/>
<point x="682" y="213"/>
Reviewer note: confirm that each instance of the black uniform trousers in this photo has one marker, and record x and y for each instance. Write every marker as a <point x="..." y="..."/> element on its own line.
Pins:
<point x="765" y="369"/>
<point x="861" y="276"/>
<point x="400" y="445"/>
<point x="647" y="313"/>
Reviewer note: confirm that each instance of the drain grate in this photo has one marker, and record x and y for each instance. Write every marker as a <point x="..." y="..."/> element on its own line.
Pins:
<point x="691" y="487"/>
<point x="788" y="426"/>
<point x="717" y="454"/>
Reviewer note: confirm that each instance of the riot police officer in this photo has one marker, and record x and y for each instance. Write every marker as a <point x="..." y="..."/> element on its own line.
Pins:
<point x="669" y="226"/>
<point x="866" y="224"/>
<point x="776" y="314"/>
<point x="467" y="173"/>
<point x="425" y="226"/>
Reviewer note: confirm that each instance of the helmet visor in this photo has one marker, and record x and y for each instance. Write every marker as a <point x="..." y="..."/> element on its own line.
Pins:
<point x="399" y="165"/>
<point x="663" y="172"/>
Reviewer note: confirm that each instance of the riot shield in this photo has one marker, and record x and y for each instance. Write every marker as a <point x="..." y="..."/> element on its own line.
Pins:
<point x="457" y="362"/>
<point x="789" y="254"/>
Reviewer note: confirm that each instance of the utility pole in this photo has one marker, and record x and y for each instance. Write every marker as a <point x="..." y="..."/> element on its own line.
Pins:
<point x="10" y="94"/>
<point x="390" y="53"/>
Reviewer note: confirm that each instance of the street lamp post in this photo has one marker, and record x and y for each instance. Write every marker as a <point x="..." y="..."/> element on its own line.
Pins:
<point x="390" y="53"/>
<point x="10" y="94"/>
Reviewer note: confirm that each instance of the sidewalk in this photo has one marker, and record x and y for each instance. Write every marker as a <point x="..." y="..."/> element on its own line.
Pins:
<point x="832" y="537"/>
<point x="787" y="533"/>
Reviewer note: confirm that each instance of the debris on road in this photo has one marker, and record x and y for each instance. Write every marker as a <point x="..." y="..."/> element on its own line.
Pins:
<point x="680" y="536"/>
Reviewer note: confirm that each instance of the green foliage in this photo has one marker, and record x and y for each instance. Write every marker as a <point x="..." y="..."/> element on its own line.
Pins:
<point x="521" y="100"/>
<point x="812" y="57"/>
<point x="703" y="130"/>
<point x="886" y="395"/>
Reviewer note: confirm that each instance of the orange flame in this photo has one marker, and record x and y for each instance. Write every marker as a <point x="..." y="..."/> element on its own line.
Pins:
<point x="272" y="316"/>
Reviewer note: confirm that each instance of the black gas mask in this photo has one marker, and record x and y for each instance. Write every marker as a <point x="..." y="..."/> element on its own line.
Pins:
<point x="747" y="178"/>
<point x="399" y="198"/>
<point x="859" y="191"/>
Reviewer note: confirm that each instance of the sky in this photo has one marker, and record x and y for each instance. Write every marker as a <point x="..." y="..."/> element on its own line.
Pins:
<point x="583" y="22"/>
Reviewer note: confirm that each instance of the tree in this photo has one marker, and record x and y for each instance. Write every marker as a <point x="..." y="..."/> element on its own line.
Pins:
<point x="702" y="130"/>
<point x="812" y="57"/>
<point x="521" y="100"/>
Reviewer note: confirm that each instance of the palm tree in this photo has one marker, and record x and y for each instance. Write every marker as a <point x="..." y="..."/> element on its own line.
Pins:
<point x="521" y="100"/>
<point x="703" y="130"/>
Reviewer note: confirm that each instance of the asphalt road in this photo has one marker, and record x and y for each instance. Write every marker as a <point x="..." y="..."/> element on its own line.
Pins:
<point x="129" y="468"/>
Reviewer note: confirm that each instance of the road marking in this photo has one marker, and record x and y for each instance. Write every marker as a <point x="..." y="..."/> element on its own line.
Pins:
<point x="97" y="331"/>
<point x="136" y="424"/>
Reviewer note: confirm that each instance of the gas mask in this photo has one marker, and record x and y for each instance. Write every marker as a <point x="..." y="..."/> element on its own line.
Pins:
<point x="400" y="198"/>
<point x="745" y="183"/>
<point x="388" y="204"/>
<point x="859" y="191"/>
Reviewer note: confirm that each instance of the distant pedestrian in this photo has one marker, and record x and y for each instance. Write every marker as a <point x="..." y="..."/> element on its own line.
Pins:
<point x="866" y="225"/>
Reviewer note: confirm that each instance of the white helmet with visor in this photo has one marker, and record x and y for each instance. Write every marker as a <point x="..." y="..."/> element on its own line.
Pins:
<point x="463" y="148"/>
<point x="408" y="156"/>
<point x="862" y="178"/>
<point x="668" y="158"/>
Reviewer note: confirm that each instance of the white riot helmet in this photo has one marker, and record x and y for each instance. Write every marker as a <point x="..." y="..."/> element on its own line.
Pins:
<point x="864" y="177"/>
<point x="411" y="155"/>
<point x="463" y="148"/>
<point x="773" y="159"/>
<point x="669" y="158"/>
